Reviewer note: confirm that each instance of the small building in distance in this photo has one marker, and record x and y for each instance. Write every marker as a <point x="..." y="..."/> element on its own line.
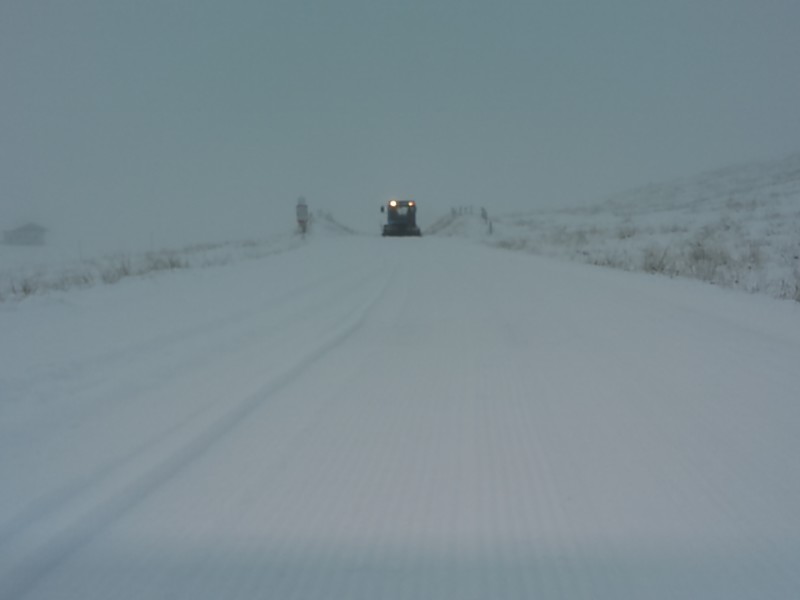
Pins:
<point x="31" y="234"/>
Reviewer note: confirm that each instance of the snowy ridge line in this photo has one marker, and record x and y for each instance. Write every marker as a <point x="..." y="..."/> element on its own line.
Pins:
<point x="21" y="281"/>
<point x="25" y="563"/>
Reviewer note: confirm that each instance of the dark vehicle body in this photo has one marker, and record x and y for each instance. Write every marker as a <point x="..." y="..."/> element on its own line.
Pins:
<point x="401" y="218"/>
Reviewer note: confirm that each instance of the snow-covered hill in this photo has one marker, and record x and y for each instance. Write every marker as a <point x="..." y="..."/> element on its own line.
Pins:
<point x="737" y="227"/>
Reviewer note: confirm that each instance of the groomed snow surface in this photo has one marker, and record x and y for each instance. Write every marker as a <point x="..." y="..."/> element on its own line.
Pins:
<point x="399" y="418"/>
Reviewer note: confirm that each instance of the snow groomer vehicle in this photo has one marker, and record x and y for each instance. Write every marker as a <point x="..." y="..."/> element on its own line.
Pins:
<point x="401" y="218"/>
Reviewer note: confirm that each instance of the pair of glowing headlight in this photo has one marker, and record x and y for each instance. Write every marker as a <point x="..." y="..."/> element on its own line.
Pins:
<point x="393" y="203"/>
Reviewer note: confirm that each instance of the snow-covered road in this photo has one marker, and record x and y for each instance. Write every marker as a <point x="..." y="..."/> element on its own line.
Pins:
<point x="370" y="418"/>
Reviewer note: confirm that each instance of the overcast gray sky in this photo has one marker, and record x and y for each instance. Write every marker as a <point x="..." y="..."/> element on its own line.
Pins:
<point x="213" y="116"/>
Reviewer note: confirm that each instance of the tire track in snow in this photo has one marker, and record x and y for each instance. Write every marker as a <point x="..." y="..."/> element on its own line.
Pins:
<point x="121" y="394"/>
<point x="24" y="563"/>
<point x="94" y="372"/>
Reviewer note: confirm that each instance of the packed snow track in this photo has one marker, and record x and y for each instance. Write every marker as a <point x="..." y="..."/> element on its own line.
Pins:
<point x="396" y="418"/>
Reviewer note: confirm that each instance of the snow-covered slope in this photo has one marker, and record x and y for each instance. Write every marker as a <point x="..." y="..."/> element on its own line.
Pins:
<point x="399" y="418"/>
<point x="737" y="227"/>
<point x="29" y="271"/>
<point x="32" y="270"/>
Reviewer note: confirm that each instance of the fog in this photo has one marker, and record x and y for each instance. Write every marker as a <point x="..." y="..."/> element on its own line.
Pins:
<point x="164" y="122"/>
